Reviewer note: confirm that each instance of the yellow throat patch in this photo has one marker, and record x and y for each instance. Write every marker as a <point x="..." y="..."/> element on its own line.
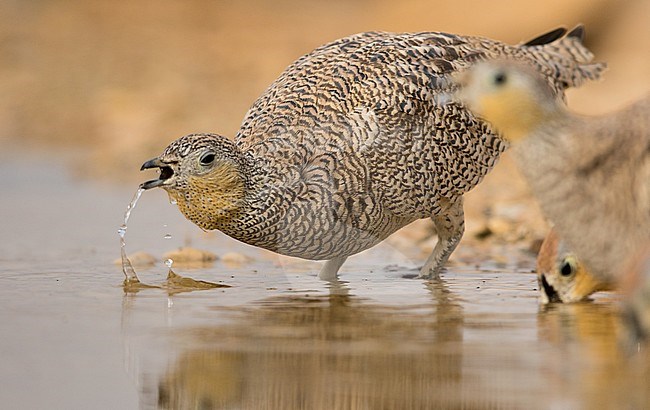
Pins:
<point x="513" y="112"/>
<point x="214" y="198"/>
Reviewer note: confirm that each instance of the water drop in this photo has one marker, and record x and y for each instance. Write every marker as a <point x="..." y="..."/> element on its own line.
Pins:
<point x="169" y="262"/>
<point x="167" y="236"/>
<point x="173" y="201"/>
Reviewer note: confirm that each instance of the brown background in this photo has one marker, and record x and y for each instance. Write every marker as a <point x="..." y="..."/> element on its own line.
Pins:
<point x="114" y="82"/>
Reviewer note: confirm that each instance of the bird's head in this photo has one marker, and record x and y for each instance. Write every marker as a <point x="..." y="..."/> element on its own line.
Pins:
<point x="203" y="174"/>
<point x="511" y="96"/>
<point x="562" y="277"/>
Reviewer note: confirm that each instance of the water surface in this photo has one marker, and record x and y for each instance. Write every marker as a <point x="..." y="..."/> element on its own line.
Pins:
<point x="278" y="338"/>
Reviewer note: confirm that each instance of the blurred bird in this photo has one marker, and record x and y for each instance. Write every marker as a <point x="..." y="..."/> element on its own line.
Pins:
<point x="562" y="276"/>
<point x="591" y="175"/>
<point x="636" y="288"/>
<point x="353" y="141"/>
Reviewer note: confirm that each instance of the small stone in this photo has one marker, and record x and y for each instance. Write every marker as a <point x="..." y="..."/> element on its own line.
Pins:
<point x="500" y="227"/>
<point x="235" y="258"/>
<point x="483" y="233"/>
<point x="139" y="259"/>
<point x="187" y="255"/>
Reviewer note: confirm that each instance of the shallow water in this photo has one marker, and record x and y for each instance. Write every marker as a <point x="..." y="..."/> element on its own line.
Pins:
<point x="278" y="338"/>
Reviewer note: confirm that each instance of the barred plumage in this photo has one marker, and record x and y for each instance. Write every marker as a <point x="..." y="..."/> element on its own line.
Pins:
<point x="352" y="142"/>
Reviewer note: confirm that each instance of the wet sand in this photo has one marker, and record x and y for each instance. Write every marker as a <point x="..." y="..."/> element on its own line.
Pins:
<point x="278" y="337"/>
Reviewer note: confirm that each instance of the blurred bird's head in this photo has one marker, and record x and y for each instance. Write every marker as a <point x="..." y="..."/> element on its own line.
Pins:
<point x="511" y="96"/>
<point x="562" y="277"/>
<point x="203" y="174"/>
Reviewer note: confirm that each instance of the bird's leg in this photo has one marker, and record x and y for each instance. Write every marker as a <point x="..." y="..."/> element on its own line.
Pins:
<point x="331" y="268"/>
<point x="450" y="224"/>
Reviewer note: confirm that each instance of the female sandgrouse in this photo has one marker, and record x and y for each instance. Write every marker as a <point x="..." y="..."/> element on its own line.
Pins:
<point x="353" y="141"/>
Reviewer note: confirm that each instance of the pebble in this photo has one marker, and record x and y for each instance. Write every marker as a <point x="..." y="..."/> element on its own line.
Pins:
<point x="235" y="258"/>
<point x="190" y="255"/>
<point x="139" y="259"/>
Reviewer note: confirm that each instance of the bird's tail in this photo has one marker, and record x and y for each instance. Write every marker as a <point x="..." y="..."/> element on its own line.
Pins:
<point x="566" y="56"/>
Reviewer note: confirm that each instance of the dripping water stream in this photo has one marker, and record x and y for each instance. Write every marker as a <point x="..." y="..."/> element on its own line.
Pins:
<point x="174" y="283"/>
<point x="127" y="266"/>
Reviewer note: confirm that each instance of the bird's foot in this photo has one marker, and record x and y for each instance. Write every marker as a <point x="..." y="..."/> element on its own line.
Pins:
<point x="430" y="272"/>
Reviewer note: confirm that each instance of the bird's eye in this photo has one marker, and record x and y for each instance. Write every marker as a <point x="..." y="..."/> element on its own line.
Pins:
<point x="567" y="268"/>
<point x="500" y="78"/>
<point x="207" y="158"/>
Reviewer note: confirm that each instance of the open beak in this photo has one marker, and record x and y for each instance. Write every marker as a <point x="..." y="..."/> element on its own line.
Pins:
<point x="166" y="172"/>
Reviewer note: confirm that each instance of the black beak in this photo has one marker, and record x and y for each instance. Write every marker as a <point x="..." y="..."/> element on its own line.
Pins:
<point x="166" y="172"/>
<point x="549" y="291"/>
<point x="152" y="163"/>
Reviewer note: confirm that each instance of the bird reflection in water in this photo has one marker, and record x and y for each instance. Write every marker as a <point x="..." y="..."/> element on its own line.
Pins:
<point x="332" y="351"/>
<point x="592" y="361"/>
